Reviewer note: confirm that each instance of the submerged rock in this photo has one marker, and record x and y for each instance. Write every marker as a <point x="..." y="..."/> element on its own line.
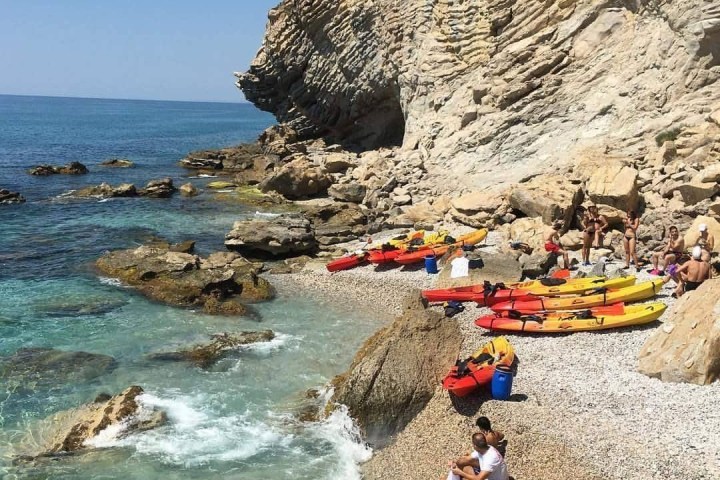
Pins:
<point x="72" y="168"/>
<point x="76" y="307"/>
<point x="46" y="367"/>
<point x="188" y="190"/>
<point x="222" y="344"/>
<point x="6" y="196"/>
<point x="118" y="163"/>
<point x="217" y="284"/>
<point x="396" y="371"/>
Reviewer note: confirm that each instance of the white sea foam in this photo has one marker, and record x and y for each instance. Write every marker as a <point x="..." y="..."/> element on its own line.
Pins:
<point x="225" y="190"/>
<point x="206" y="175"/>
<point x="113" y="282"/>
<point x="264" y="214"/>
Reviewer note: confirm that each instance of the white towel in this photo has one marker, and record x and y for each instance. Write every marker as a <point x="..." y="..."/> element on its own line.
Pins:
<point x="460" y="267"/>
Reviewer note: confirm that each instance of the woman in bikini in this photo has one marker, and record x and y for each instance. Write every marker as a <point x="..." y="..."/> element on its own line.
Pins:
<point x="593" y="225"/>
<point x="632" y="223"/>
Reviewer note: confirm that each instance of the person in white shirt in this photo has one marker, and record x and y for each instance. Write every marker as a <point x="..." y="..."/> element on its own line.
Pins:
<point x="487" y="462"/>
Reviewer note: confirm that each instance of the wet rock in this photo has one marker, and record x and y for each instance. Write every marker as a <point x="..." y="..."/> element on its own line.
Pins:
<point x="162" y="188"/>
<point x="72" y="168"/>
<point x="105" y="190"/>
<point x="187" y="280"/>
<point x="396" y="371"/>
<point x="74" y="307"/>
<point x="221" y="345"/>
<point x="221" y="185"/>
<point x="188" y="190"/>
<point x="47" y="367"/>
<point x="118" y="163"/>
<point x="283" y="236"/>
<point x="6" y="196"/>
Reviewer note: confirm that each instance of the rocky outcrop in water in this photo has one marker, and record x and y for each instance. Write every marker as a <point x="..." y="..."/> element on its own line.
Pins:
<point x="118" y="163"/>
<point x="686" y="348"/>
<point x="72" y="168"/>
<point x="219" y="283"/>
<point x="285" y="235"/>
<point x="161" y="188"/>
<point x="6" y="196"/>
<point x="396" y="371"/>
<point x="221" y="345"/>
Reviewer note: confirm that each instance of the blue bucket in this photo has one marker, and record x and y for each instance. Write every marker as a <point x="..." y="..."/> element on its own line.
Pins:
<point x="502" y="383"/>
<point x="431" y="264"/>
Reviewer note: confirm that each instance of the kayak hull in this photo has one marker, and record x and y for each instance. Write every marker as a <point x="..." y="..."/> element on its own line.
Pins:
<point x="377" y="257"/>
<point x="558" y="322"/>
<point x="481" y="373"/>
<point x="345" y="263"/>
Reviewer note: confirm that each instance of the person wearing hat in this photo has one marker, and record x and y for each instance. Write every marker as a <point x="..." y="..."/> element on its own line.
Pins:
<point x="706" y="241"/>
<point x="692" y="273"/>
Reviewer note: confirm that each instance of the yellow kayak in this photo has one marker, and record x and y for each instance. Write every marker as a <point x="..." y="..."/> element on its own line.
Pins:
<point x="599" y="318"/>
<point x="589" y="299"/>
<point x="471" y="238"/>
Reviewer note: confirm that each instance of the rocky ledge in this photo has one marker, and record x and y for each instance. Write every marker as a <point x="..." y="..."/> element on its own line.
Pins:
<point x="172" y="274"/>
<point x="72" y="168"/>
<point x="161" y="188"/>
<point x="6" y="196"/>
<point x="118" y="163"/>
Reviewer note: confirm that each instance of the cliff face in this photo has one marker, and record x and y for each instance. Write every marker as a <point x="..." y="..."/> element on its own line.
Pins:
<point x="477" y="86"/>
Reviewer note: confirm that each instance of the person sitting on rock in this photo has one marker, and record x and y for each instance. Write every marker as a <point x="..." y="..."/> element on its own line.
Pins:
<point x="671" y="253"/>
<point x="552" y="242"/>
<point x="487" y="463"/>
<point x="691" y="274"/>
<point x="706" y="241"/>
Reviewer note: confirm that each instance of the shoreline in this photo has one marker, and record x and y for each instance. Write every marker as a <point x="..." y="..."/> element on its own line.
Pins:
<point x="585" y="401"/>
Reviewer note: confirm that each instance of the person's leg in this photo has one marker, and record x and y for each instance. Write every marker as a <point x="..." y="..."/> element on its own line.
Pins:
<point x="566" y="258"/>
<point x="596" y="241"/>
<point x="670" y="259"/>
<point x="626" y="245"/>
<point x="586" y="247"/>
<point x="655" y="259"/>
<point x="633" y="249"/>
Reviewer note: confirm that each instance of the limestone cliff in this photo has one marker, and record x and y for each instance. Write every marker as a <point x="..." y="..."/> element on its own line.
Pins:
<point x="476" y="86"/>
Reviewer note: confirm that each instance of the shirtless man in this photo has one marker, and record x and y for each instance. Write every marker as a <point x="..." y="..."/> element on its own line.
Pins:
<point x="692" y="273"/>
<point x="552" y="242"/>
<point x="670" y="254"/>
<point x="706" y="241"/>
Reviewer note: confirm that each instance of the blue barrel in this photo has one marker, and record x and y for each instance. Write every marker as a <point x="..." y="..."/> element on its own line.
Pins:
<point x="502" y="383"/>
<point x="431" y="264"/>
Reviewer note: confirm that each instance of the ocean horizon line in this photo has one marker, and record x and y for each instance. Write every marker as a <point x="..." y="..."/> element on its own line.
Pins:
<point x="240" y="102"/>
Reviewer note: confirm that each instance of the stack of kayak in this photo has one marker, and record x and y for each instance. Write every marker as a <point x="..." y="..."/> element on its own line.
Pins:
<point x="478" y="369"/>
<point x="408" y="249"/>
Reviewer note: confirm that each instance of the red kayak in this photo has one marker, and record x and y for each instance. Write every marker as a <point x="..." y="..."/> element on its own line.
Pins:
<point x="478" y="369"/>
<point x="347" y="262"/>
<point x="376" y="257"/>
<point x="484" y="295"/>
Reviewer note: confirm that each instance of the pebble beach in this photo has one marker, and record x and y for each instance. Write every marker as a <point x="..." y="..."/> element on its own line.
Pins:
<point x="579" y="408"/>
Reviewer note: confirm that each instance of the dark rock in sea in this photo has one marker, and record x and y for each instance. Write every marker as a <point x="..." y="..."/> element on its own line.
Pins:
<point x="217" y="284"/>
<point x="74" y="307"/>
<point x="283" y="236"/>
<point x="105" y="190"/>
<point x="118" y="163"/>
<point x="6" y="196"/>
<point x="396" y="371"/>
<point x="221" y="345"/>
<point x="162" y="188"/>
<point x="48" y="367"/>
<point x="72" y="168"/>
<point x="188" y="190"/>
<point x="249" y="163"/>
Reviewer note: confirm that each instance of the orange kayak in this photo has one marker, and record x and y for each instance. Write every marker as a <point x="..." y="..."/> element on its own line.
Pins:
<point x="345" y="263"/>
<point x="471" y="238"/>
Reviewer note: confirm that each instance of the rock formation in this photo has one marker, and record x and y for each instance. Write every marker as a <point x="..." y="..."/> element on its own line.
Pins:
<point x="6" y="196"/>
<point x="221" y="345"/>
<point x="188" y="190"/>
<point x="218" y="283"/>
<point x="72" y="168"/>
<point x="162" y="188"/>
<point x="396" y="371"/>
<point x="118" y="163"/>
<point x="286" y="235"/>
<point x="686" y="348"/>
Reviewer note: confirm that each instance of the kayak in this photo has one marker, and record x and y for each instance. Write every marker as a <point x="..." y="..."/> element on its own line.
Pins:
<point x="468" y="375"/>
<point x="471" y="238"/>
<point x="600" y="318"/>
<point x="488" y="294"/>
<point x="344" y="263"/>
<point x="376" y="257"/>
<point x="589" y="299"/>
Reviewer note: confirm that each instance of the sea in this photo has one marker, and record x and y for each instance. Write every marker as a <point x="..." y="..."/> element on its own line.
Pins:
<point x="235" y="420"/>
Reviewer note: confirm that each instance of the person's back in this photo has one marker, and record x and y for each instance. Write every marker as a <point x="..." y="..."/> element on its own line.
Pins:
<point x="698" y="271"/>
<point x="491" y="461"/>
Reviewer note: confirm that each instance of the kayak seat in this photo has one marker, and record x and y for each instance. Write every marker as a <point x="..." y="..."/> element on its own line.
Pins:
<point x="585" y="315"/>
<point x="552" y="282"/>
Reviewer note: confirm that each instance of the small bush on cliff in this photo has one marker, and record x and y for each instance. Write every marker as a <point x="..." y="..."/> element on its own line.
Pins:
<point x="667" y="135"/>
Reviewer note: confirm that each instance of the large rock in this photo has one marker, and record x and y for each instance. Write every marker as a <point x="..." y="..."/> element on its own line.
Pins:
<point x="686" y="348"/>
<point x="527" y="230"/>
<point x="614" y="184"/>
<point x="284" y="236"/>
<point x="396" y="371"/>
<point x="336" y="222"/>
<point x="692" y="234"/>
<point x="476" y="209"/>
<point x="249" y="163"/>
<point x="72" y="168"/>
<point x="550" y="197"/>
<point x="161" y="188"/>
<point x="6" y="196"/>
<point x="348" y="192"/>
<point x="221" y="345"/>
<point x="117" y="163"/>
<point x="188" y="190"/>
<point x="105" y="190"/>
<point x="297" y="179"/>
<point x="186" y="280"/>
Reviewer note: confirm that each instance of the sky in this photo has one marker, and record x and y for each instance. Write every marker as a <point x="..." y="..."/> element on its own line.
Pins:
<point x="135" y="49"/>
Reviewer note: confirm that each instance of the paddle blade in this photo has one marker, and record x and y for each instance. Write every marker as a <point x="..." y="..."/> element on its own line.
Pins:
<point x="564" y="273"/>
<point x="614" y="309"/>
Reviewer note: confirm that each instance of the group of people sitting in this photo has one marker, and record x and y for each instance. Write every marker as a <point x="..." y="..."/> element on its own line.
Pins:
<point x="688" y="271"/>
<point x="486" y="461"/>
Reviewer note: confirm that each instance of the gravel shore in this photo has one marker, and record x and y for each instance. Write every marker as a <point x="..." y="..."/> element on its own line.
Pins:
<point x="580" y="409"/>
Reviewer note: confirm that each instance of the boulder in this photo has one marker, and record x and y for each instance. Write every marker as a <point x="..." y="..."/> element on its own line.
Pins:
<point x="248" y="162"/>
<point x="426" y="213"/>
<point x="186" y="280"/>
<point x="527" y="230"/>
<point x="695" y="191"/>
<point x="188" y="190"/>
<point x="710" y="174"/>
<point x="550" y="197"/>
<point x="297" y="179"/>
<point x="397" y="370"/>
<point x="72" y="168"/>
<point x="692" y="234"/>
<point x="476" y="209"/>
<point x="613" y="215"/>
<point x="614" y="184"/>
<point x="284" y="236"/>
<point x="348" y="192"/>
<point x="105" y="190"/>
<point x="221" y="345"/>
<point x="221" y="185"/>
<point x="572" y="240"/>
<point x="666" y="154"/>
<point x="338" y="162"/>
<point x="336" y="222"/>
<point x="6" y="196"/>
<point x="117" y="163"/>
<point x="537" y="264"/>
<point x="686" y="348"/>
<point x="162" y="188"/>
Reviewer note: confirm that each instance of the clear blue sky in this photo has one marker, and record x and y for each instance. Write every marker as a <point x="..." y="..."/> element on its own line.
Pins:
<point x="140" y="49"/>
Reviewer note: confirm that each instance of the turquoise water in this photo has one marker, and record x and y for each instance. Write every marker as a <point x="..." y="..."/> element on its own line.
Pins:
<point x="234" y="420"/>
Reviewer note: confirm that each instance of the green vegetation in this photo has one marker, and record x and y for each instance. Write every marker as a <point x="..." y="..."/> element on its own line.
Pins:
<point x="667" y="135"/>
